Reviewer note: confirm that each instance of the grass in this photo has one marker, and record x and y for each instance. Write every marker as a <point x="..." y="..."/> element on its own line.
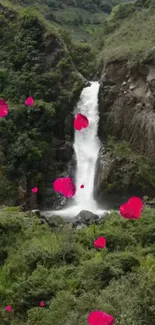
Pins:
<point x="61" y="267"/>
<point x="132" y="40"/>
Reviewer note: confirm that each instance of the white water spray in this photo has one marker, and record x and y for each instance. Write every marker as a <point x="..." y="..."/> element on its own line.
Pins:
<point x="86" y="146"/>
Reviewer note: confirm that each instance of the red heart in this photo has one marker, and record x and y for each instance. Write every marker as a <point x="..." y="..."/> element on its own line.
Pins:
<point x="100" y="242"/>
<point x="42" y="304"/>
<point x="80" y="122"/>
<point x="59" y="184"/>
<point x="64" y="186"/>
<point x="34" y="189"/>
<point x="82" y="186"/>
<point x="136" y="201"/>
<point x="100" y="318"/>
<point x="29" y="101"/>
<point x="3" y="108"/>
<point x="132" y="209"/>
<point x="8" y="308"/>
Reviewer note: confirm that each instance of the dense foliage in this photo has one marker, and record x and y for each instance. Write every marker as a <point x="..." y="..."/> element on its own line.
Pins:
<point x="61" y="267"/>
<point x="92" y="5"/>
<point x="128" y="33"/>
<point x="34" y="62"/>
<point x="80" y="16"/>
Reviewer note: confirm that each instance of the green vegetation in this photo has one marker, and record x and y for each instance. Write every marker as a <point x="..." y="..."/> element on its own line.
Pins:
<point x="61" y="267"/>
<point x="82" y="54"/>
<point x="81" y="17"/>
<point x="128" y="32"/>
<point x="39" y="60"/>
<point x="129" y="170"/>
<point x="34" y="61"/>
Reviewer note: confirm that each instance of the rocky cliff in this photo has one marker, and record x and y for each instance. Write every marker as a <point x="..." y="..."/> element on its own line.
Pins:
<point x="127" y="104"/>
<point x="127" y="113"/>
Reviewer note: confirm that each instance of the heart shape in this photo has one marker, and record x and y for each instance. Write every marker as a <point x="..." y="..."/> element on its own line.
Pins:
<point x="80" y="122"/>
<point x="34" y="190"/>
<point x="64" y="186"/>
<point x="3" y="108"/>
<point x="82" y="186"/>
<point x="100" y="242"/>
<point x="98" y="317"/>
<point x="132" y="209"/>
<point x="42" y="304"/>
<point x="8" y="308"/>
<point x="29" y="101"/>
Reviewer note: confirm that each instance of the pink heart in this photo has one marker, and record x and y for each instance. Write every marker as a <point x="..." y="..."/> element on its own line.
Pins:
<point x="132" y="209"/>
<point x="34" y="189"/>
<point x="100" y="318"/>
<point x="136" y="201"/>
<point x="8" y="308"/>
<point x="64" y="186"/>
<point x="82" y="186"/>
<point x="42" y="304"/>
<point x="100" y="242"/>
<point x="3" y="108"/>
<point x="80" y="122"/>
<point x="29" y="101"/>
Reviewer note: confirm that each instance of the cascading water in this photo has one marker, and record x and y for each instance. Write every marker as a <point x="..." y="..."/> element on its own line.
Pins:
<point x="86" y="146"/>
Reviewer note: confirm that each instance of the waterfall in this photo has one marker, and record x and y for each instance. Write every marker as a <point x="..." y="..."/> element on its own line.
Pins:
<point x="86" y="146"/>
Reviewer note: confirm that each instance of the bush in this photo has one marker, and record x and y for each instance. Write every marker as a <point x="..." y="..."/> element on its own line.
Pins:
<point x="62" y="267"/>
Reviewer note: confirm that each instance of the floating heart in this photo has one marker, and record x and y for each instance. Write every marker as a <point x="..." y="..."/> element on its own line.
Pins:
<point x="8" y="308"/>
<point x="42" y="304"/>
<point x="80" y="122"/>
<point x="136" y="201"/>
<point x="34" y="189"/>
<point x="132" y="209"/>
<point x="82" y="186"/>
<point x="3" y="108"/>
<point x="100" y="242"/>
<point x="29" y="101"/>
<point x="100" y="318"/>
<point x="64" y="186"/>
<point x="59" y="185"/>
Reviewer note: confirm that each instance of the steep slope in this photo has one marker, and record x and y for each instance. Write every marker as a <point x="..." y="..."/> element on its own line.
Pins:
<point x="34" y="62"/>
<point x="81" y="17"/>
<point x="127" y="101"/>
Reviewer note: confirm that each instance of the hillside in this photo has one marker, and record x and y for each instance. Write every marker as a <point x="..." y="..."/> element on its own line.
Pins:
<point x="40" y="60"/>
<point x="45" y="260"/>
<point x="61" y="267"/>
<point x="79" y="17"/>
<point x="129" y="32"/>
<point x="34" y="61"/>
<point x="126" y="64"/>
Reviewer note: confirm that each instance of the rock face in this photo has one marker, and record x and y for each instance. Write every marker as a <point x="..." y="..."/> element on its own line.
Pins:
<point x="62" y="155"/>
<point x="116" y="180"/>
<point x="127" y="112"/>
<point x="85" y="217"/>
<point x="127" y="104"/>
